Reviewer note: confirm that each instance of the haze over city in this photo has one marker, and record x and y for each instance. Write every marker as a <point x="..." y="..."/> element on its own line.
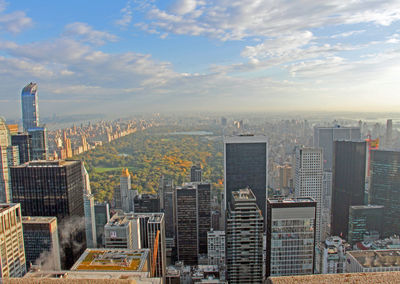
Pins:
<point x="131" y="56"/>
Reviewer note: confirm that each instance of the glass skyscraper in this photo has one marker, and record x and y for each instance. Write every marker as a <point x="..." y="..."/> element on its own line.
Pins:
<point x="30" y="107"/>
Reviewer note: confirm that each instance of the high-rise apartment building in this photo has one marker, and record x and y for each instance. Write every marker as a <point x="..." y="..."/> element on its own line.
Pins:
<point x="348" y="186"/>
<point x="385" y="188"/>
<point x="216" y="248"/>
<point x="290" y="236"/>
<point x="244" y="238"/>
<point x="245" y="165"/>
<point x="54" y="188"/>
<point x="41" y="242"/>
<point x="325" y="136"/>
<point x="127" y="194"/>
<point x="39" y="145"/>
<point x="195" y="173"/>
<point x="309" y="181"/>
<point x="193" y="219"/>
<point x="12" y="252"/>
<point x="363" y="219"/>
<point x="30" y="107"/>
<point x="102" y="217"/>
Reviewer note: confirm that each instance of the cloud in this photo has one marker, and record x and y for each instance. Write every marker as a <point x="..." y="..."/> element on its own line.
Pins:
<point x="236" y="20"/>
<point x="86" y="33"/>
<point x="347" y="34"/>
<point x="14" y="22"/>
<point x="126" y="13"/>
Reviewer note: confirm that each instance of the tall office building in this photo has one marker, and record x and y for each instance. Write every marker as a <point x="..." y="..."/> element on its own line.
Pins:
<point x="244" y="238"/>
<point x="348" y="186"/>
<point x="363" y="219"/>
<point x="245" y="165"/>
<point x="102" y="217"/>
<point x="54" y="188"/>
<point x="88" y="206"/>
<point x="30" y="107"/>
<point x="193" y="219"/>
<point x="156" y="225"/>
<point x="127" y="194"/>
<point x="195" y="173"/>
<point x="385" y="188"/>
<point x="325" y="136"/>
<point x="23" y="141"/>
<point x="167" y="204"/>
<point x="309" y="181"/>
<point x="41" y="242"/>
<point x="216" y="248"/>
<point x="146" y="203"/>
<point x="12" y="252"/>
<point x="290" y="236"/>
<point x="39" y="145"/>
<point x="326" y="204"/>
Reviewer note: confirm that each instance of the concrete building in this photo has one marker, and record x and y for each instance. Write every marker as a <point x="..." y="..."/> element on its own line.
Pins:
<point x="245" y="165"/>
<point x="291" y="230"/>
<point x="333" y="256"/>
<point x="244" y="238"/>
<point x="309" y="181"/>
<point x="12" y="252"/>
<point x="41" y="242"/>
<point x="373" y="261"/>
<point x="216" y="248"/>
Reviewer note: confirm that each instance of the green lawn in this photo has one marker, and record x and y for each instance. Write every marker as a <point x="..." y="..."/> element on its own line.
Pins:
<point x="103" y="170"/>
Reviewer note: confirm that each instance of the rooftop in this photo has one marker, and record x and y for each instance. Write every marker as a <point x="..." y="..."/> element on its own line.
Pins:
<point x="377" y="258"/>
<point x="38" y="220"/>
<point x="46" y="163"/>
<point x="245" y="138"/>
<point x="369" y="206"/>
<point x="291" y="200"/>
<point x="113" y="260"/>
<point x="6" y="206"/>
<point x="243" y="194"/>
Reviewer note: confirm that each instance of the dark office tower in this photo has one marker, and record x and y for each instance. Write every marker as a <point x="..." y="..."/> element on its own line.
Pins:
<point x="193" y="215"/>
<point x="290" y="236"/>
<point x="244" y="238"/>
<point x="195" y="173"/>
<point x="388" y="136"/>
<point x="348" y="185"/>
<point x="325" y="136"/>
<point x="30" y="108"/>
<point x="23" y="141"/>
<point x="38" y="147"/>
<point x="246" y="159"/>
<point x="167" y="204"/>
<point x="385" y="188"/>
<point x="146" y="203"/>
<point x="102" y="217"/>
<point x="54" y="188"/>
<point x="363" y="219"/>
<point x="41" y="242"/>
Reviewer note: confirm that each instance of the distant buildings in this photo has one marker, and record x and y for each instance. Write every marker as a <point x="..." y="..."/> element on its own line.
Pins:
<point x="124" y="195"/>
<point x="373" y="261"/>
<point x="348" y="187"/>
<point x="245" y="165"/>
<point x="291" y="230"/>
<point x="41" y="242"/>
<point x="244" y="238"/>
<point x="325" y="136"/>
<point x="12" y="260"/>
<point x="364" y="219"/>
<point x="333" y="256"/>
<point x="385" y="188"/>
<point x="309" y="181"/>
<point x="30" y="107"/>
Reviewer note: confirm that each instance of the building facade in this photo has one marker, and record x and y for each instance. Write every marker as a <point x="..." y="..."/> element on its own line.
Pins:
<point x="216" y="248"/>
<point x="39" y="145"/>
<point x="146" y="203"/>
<point x="364" y="219"/>
<point x="244" y="238"/>
<point x="102" y="217"/>
<point x="30" y="106"/>
<point x="291" y="230"/>
<point x="23" y="141"/>
<point x="195" y="173"/>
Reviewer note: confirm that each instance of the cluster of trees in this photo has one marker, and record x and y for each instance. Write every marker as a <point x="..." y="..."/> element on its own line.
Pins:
<point x="150" y="154"/>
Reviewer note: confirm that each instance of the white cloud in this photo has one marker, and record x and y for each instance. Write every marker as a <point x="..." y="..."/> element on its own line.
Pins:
<point x="126" y="17"/>
<point x="86" y="33"/>
<point x="348" y="34"/>
<point x="182" y="7"/>
<point x="14" y="22"/>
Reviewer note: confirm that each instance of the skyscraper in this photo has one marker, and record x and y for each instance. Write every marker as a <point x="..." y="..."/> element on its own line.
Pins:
<point x="290" y="236"/>
<point x="88" y="205"/>
<point x="102" y="217"/>
<point x="244" y="238"/>
<point x="146" y="203"/>
<point x="309" y="180"/>
<point x="30" y="107"/>
<point x="385" y="188"/>
<point x="195" y="173"/>
<point x="363" y="219"/>
<point x="193" y="219"/>
<point x="23" y="141"/>
<point x="12" y="260"/>
<point x="54" y="188"/>
<point x="245" y="165"/>
<point x="39" y="145"/>
<point x="348" y="186"/>
<point x="127" y="194"/>
<point x="389" y="134"/>
<point x="216" y="248"/>
<point x="41" y="242"/>
<point x="325" y="136"/>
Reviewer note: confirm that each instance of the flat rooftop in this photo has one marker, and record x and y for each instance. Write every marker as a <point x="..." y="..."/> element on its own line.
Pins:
<point x="45" y="163"/>
<point x="122" y="220"/>
<point x="245" y="138"/>
<point x="6" y="206"/>
<point x="135" y="260"/>
<point x="377" y="258"/>
<point x="38" y="220"/>
<point x="367" y="206"/>
<point x="243" y="194"/>
<point x="291" y="200"/>
<point x="118" y="221"/>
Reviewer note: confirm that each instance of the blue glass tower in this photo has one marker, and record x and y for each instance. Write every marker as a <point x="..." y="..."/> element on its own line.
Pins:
<point x="30" y="108"/>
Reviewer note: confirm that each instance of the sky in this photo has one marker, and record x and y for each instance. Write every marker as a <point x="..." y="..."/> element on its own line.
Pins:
<point x="121" y="57"/>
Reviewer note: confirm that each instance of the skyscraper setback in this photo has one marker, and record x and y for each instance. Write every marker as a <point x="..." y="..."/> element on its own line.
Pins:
<point x="30" y="108"/>
<point x="245" y="165"/>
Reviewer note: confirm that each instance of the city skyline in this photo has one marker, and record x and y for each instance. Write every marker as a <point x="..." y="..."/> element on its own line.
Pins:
<point x="129" y="56"/>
